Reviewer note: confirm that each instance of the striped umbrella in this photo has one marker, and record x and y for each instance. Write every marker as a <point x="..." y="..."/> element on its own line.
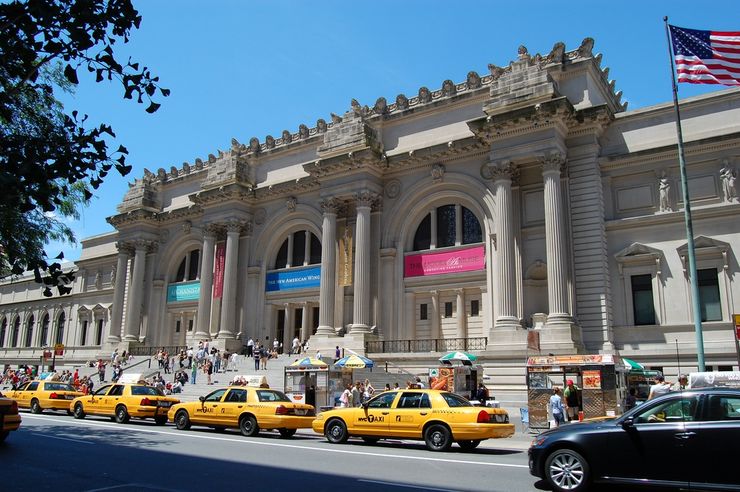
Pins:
<point x="463" y="357"/>
<point x="307" y="362"/>
<point x="354" y="361"/>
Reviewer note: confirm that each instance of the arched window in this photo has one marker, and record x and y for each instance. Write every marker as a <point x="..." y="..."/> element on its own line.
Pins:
<point x="44" y="338"/>
<point x="299" y="249"/>
<point x="447" y="225"/>
<point x="29" y="331"/>
<point x="60" y="328"/>
<point x="15" y="332"/>
<point x="3" y="329"/>
<point x="189" y="268"/>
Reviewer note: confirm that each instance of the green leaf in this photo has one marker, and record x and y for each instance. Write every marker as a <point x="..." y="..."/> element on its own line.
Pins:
<point x="71" y="74"/>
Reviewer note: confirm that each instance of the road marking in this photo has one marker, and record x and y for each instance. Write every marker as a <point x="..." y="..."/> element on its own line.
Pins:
<point x="395" y="484"/>
<point x="260" y="442"/>
<point x="60" y="438"/>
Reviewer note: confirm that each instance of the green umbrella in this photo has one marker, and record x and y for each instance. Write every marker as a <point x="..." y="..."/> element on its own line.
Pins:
<point x="633" y="366"/>
<point x="463" y="357"/>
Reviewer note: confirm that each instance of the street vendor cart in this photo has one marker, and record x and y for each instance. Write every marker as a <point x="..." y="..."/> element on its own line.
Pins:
<point x="600" y="378"/>
<point x="327" y="382"/>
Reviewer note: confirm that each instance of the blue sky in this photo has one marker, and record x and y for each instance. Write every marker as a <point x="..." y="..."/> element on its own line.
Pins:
<point x="252" y="68"/>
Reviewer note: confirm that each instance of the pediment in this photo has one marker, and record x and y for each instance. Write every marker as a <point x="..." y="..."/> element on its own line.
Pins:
<point x="705" y="243"/>
<point x="638" y="251"/>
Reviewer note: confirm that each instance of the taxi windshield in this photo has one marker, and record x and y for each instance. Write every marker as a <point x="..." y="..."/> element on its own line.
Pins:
<point x="58" y="387"/>
<point x="454" y="400"/>
<point x="146" y="391"/>
<point x="272" y="395"/>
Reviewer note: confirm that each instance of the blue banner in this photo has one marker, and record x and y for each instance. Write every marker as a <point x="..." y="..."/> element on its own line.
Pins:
<point x="183" y="292"/>
<point x="305" y="278"/>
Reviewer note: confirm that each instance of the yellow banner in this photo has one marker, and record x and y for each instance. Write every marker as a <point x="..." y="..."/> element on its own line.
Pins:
<point x="344" y="276"/>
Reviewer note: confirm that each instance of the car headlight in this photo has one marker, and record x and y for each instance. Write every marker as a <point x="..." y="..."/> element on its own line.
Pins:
<point x="319" y="416"/>
<point x="539" y="440"/>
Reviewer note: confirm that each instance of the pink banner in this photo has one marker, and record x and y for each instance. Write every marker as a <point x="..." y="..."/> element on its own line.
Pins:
<point x="218" y="274"/>
<point x="461" y="260"/>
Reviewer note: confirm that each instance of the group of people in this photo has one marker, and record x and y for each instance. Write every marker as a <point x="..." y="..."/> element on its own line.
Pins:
<point x="355" y="395"/>
<point x="567" y="410"/>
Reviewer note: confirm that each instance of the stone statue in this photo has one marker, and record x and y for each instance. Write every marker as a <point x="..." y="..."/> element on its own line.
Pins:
<point x="321" y="125"/>
<point x="728" y="176"/>
<point x="381" y="106"/>
<point x="98" y="280"/>
<point x="424" y="95"/>
<point x="254" y="145"/>
<point x="438" y="172"/>
<point x="496" y="71"/>
<point x="522" y="53"/>
<point x="303" y="131"/>
<point x="664" y="190"/>
<point x="473" y="80"/>
<point x="448" y="88"/>
<point x="287" y="137"/>
<point x="291" y="202"/>
<point x="356" y="107"/>
<point x="270" y="141"/>
<point x="402" y="102"/>
<point x="335" y="118"/>
<point x="113" y="274"/>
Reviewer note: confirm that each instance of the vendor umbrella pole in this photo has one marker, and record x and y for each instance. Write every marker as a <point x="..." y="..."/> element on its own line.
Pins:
<point x="678" y="359"/>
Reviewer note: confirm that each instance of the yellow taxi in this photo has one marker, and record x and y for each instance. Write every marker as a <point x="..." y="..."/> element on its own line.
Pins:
<point x="247" y="408"/>
<point x="10" y="420"/>
<point x="44" y="395"/>
<point x="438" y="417"/>
<point x="123" y="401"/>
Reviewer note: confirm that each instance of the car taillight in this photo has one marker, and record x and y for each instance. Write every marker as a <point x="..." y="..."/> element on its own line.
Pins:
<point x="281" y="410"/>
<point x="53" y="396"/>
<point x="483" y="417"/>
<point x="146" y="402"/>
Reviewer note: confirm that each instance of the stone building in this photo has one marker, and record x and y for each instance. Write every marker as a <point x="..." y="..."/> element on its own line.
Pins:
<point x="525" y="207"/>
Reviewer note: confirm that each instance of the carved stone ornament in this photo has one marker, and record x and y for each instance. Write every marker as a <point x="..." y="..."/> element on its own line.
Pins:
<point x="557" y="54"/>
<point x="402" y="102"/>
<point x="496" y="71"/>
<point x="234" y="226"/>
<point x="98" y="280"/>
<point x="393" y="188"/>
<point x="335" y="118"/>
<point x="198" y="164"/>
<point x="664" y="193"/>
<point x="235" y="145"/>
<point x="473" y="80"/>
<point x="502" y="170"/>
<point x="303" y="131"/>
<point x="330" y="206"/>
<point x="553" y="162"/>
<point x="162" y="174"/>
<point x="586" y="48"/>
<point x="356" y="107"/>
<point x="259" y="216"/>
<point x="448" y="88"/>
<point x="425" y="95"/>
<point x="381" y="106"/>
<point x="211" y="158"/>
<point x="365" y="199"/>
<point x="728" y="177"/>
<point x="113" y="274"/>
<point x="321" y="125"/>
<point x="291" y="202"/>
<point x="270" y="142"/>
<point x="185" y="168"/>
<point x="186" y="227"/>
<point x="254" y="145"/>
<point x="173" y="171"/>
<point x="287" y="137"/>
<point x="522" y="53"/>
<point x="438" y="172"/>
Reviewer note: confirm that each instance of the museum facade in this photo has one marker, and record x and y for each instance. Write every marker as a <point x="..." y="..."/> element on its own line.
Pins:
<point x="518" y="212"/>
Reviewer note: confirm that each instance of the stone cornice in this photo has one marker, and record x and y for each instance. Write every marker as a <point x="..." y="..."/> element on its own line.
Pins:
<point x="293" y="187"/>
<point x="365" y="159"/>
<point x="222" y="194"/>
<point x="451" y="151"/>
<point x="132" y="217"/>
<point x="729" y="210"/>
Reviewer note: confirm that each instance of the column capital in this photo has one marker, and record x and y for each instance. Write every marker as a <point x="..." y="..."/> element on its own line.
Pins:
<point x="331" y="205"/>
<point x="366" y="198"/>
<point x="211" y="229"/>
<point x="124" y="247"/>
<point x="234" y="225"/>
<point x="143" y="244"/>
<point x="552" y="162"/>
<point x="503" y="170"/>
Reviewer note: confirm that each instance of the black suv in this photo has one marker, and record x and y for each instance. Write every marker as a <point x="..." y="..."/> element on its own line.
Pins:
<point x="685" y="439"/>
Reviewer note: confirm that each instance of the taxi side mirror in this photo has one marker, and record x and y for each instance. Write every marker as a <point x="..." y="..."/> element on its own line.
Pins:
<point x="365" y="405"/>
<point x="202" y="399"/>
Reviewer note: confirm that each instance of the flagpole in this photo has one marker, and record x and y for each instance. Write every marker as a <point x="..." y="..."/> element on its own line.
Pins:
<point x="693" y="276"/>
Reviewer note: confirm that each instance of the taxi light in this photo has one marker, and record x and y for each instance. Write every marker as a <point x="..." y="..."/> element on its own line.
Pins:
<point x="146" y="402"/>
<point x="281" y="410"/>
<point x="483" y="417"/>
<point x="53" y="396"/>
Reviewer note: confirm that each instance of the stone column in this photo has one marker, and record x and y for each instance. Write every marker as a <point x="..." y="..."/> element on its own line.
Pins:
<point x="361" y="313"/>
<point x="462" y="331"/>
<point x="118" y="293"/>
<point x="506" y="313"/>
<point x="409" y="333"/>
<point x="288" y="327"/>
<point x="228" y="306"/>
<point x="556" y="240"/>
<point x="202" y="330"/>
<point x="328" y="267"/>
<point x="307" y="248"/>
<point x="133" y="316"/>
<point x="435" y="315"/>
<point x="304" y="324"/>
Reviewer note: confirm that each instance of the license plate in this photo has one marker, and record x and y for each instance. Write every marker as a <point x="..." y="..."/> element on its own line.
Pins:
<point x="69" y="397"/>
<point x="300" y="411"/>
<point x="163" y="404"/>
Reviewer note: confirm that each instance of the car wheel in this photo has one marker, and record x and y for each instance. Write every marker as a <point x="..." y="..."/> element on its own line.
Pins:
<point x="469" y="445"/>
<point x="285" y="433"/>
<point x="248" y="426"/>
<point x="79" y="411"/>
<point x="336" y="432"/>
<point x="182" y="420"/>
<point x="437" y="438"/>
<point x="371" y="440"/>
<point x="35" y="407"/>
<point x="122" y="415"/>
<point x="567" y="471"/>
<point x="160" y="419"/>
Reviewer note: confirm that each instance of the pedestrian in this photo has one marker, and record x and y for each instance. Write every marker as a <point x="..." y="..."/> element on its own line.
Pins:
<point x="356" y="395"/>
<point x="369" y="390"/>
<point x="263" y="357"/>
<point x="419" y="384"/>
<point x="387" y="387"/>
<point x="296" y="348"/>
<point x="482" y="394"/>
<point x="194" y="372"/>
<point x="256" y="356"/>
<point x="337" y="354"/>
<point x="683" y="382"/>
<point x="345" y="400"/>
<point x="661" y="387"/>
<point x="311" y="396"/>
<point x="208" y="369"/>
<point x="556" y="407"/>
<point x="275" y="345"/>
<point x="250" y="347"/>
<point x="101" y="370"/>
<point x="572" y="396"/>
<point x="631" y="400"/>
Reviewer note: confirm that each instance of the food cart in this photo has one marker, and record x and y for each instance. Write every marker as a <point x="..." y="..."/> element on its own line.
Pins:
<point x="461" y="379"/>
<point x="602" y="379"/>
<point x="327" y="381"/>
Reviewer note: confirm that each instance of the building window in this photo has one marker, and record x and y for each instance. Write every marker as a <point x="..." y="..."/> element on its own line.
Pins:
<point x="423" y="312"/>
<point x="15" y="332"/>
<point x="29" y="331"/>
<point x="474" y="307"/>
<point x="642" y="299"/>
<point x="448" y="310"/>
<point x="189" y="267"/>
<point x="449" y="220"/>
<point x="99" y="333"/>
<point x="44" y="338"/>
<point x="711" y="309"/>
<point x="3" y="329"/>
<point x="190" y="325"/>
<point x="293" y="249"/>
<point x="83" y="334"/>
<point x="177" y="326"/>
<point x="60" y="328"/>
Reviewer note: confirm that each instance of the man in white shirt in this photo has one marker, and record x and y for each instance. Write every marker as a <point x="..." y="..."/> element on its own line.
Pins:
<point x="296" y="346"/>
<point x="659" y="388"/>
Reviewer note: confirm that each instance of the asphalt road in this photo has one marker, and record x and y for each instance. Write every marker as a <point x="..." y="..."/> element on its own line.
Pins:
<point x="56" y="452"/>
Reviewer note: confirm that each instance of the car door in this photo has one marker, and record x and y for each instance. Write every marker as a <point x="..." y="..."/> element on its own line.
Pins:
<point x="113" y="398"/>
<point x="23" y="394"/>
<point x="372" y="419"/>
<point x="651" y="443"/>
<point x="233" y="405"/>
<point x="210" y="411"/>
<point x="409" y="414"/>
<point x="94" y="402"/>
<point x="713" y="437"/>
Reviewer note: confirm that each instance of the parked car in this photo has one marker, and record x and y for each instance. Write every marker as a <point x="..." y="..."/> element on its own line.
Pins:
<point x="437" y="417"/>
<point x="10" y="420"/>
<point x="123" y="401"/>
<point x="680" y="440"/>
<point x="45" y="395"/>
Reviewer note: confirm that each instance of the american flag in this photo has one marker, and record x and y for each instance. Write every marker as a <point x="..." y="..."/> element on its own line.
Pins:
<point x="706" y="57"/>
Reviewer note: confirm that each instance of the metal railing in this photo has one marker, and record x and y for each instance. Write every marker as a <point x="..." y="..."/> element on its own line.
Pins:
<point x="426" y="345"/>
<point x="144" y="350"/>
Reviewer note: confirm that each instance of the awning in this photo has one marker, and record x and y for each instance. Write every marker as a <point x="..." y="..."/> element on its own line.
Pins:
<point x="632" y="365"/>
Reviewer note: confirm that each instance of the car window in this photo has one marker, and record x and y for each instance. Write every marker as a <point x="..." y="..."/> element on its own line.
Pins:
<point x="271" y="395"/>
<point x="58" y="387"/>
<point x="103" y="390"/>
<point x="724" y="407"/>
<point x="413" y="400"/>
<point x="116" y="390"/>
<point x="454" y="400"/>
<point x="32" y="386"/>
<point x="216" y="395"/>
<point x="237" y="396"/>
<point x="383" y="400"/>
<point x="678" y="410"/>
<point x="146" y="391"/>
